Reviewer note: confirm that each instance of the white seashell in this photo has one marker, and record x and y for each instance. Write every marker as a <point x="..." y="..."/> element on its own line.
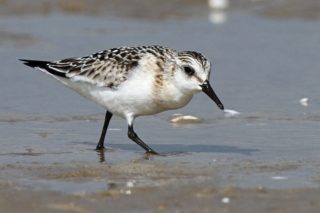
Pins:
<point x="229" y="113"/>
<point x="304" y="101"/>
<point x="279" y="178"/>
<point x="225" y="200"/>
<point x="130" y="183"/>
<point x="185" y="119"/>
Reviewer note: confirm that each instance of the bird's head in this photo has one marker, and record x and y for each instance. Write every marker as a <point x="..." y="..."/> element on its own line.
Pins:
<point x="193" y="74"/>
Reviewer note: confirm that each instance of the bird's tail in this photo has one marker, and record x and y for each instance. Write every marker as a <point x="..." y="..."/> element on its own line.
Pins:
<point x="35" y="63"/>
<point x="44" y="66"/>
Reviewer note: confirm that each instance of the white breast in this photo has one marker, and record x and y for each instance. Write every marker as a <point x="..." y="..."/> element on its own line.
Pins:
<point x="137" y="95"/>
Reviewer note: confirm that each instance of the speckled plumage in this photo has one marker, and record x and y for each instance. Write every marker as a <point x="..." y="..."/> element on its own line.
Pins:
<point x="109" y="68"/>
<point x="134" y="81"/>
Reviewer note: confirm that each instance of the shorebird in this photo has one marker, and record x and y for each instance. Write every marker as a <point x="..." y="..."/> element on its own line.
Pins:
<point x="134" y="81"/>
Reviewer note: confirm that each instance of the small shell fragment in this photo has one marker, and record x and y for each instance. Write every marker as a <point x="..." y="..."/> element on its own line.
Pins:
<point x="126" y="192"/>
<point x="279" y="178"/>
<point x="230" y="113"/>
<point x="225" y="200"/>
<point x="304" y="101"/>
<point x="130" y="183"/>
<point x="185" y="119"/>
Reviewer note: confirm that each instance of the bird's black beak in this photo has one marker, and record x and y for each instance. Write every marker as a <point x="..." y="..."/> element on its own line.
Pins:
<point x="206" y="88"/>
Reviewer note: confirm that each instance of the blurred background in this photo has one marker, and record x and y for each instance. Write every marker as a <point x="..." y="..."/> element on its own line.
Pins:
<point x="265" y="57"/>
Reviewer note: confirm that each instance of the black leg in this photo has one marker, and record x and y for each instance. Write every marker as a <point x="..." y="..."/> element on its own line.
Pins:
<point x="100" y="145"/>
<point x="133" y="136"/>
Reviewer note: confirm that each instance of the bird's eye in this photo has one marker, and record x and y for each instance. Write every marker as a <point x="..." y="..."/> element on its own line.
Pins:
<point x="188" y="70"/>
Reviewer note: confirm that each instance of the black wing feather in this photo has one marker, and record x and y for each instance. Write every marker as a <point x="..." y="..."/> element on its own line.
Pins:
<point x="43" y="65"/>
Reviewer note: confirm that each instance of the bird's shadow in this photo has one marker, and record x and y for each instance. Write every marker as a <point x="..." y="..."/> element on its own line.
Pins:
<point x="169" y="149"/>
<point x="181" y="148"/>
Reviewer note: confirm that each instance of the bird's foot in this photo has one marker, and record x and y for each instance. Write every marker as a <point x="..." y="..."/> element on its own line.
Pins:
<point x="152" y="152"/>
<point x="100" y="148"/>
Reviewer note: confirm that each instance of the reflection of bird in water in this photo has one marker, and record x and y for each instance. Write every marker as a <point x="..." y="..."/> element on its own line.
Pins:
<point x="101" y="155"/>
<point x="147" y="156"/>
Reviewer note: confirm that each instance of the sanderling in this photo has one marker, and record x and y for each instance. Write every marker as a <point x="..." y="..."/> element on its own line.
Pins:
<point x="134" y="81"/>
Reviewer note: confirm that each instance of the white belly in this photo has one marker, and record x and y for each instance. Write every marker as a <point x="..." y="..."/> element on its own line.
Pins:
<point x="135" y="97"/>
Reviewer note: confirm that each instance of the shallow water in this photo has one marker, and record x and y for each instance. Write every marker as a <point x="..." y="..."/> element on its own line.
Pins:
<point x="261" y="68"/>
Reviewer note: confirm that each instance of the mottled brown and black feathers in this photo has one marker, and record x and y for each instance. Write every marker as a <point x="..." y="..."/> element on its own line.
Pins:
<point x="108" y="68"/>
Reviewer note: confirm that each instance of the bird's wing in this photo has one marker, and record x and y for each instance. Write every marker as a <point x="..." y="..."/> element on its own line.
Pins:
<point x="107" y="68"/>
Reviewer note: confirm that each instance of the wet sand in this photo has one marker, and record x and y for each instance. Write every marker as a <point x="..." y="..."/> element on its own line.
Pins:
<point x="144" y="185"/>
<point x="171" y="198"/>
<point x="147" y="184"/>
<point x="264" y="159"/>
